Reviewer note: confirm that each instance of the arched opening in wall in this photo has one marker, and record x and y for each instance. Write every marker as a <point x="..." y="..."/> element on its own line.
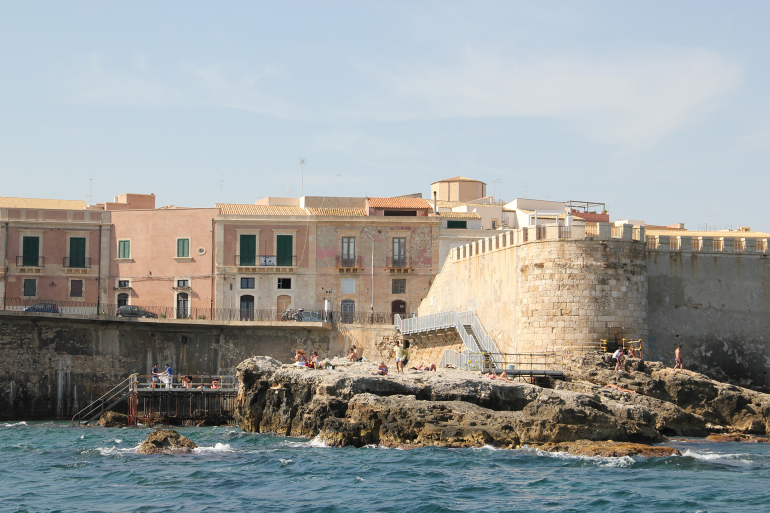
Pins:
<point x="348" y="307"/>
<point x="284" y="302"/>
<point x="122" y="300"/>
<point x="397" y="307"/>
<point x="182" y="305"/>
<point x="247" y="308"/>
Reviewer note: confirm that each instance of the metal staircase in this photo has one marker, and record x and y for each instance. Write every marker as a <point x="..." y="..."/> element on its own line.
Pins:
<point x="480" y="352"/>
<point x="105" y="403"/>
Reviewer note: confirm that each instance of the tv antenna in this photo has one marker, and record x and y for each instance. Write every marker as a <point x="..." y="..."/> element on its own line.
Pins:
<point x="302" y="164"/>
<point x="340" y="177"/>
<point x="289" y="190"/>
<point x="221" y="182"/>
<point x="90" y="189"/>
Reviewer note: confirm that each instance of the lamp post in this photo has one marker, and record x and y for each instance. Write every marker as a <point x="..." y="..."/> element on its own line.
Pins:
<point x="372" y="238"/>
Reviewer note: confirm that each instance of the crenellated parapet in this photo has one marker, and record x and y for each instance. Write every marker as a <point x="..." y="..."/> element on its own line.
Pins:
<point x="700" y="244"/>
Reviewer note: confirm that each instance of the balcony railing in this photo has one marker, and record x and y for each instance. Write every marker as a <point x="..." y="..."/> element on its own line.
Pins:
<point x="77" y="263"/>
<point x="350" y="261"/>
<point x="30" y="261"/>
<point x="266" y="260"/>
<point x="398" y="262"/>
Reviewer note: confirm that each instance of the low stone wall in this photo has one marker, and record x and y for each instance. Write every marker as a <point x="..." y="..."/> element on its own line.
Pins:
<point x="52" y="366"/>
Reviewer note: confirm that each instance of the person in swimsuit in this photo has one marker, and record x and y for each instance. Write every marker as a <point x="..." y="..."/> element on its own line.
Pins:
<point x="632" y="352"/>
<point x="382" y="369"/>
<point x="299" y="358"/>
<point x="399" y="357"/>
<point x="678" y="357"/>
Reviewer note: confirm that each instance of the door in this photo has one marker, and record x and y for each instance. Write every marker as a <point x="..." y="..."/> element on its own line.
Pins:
<point x="399" y="252"/>
<point x="284" y="302"/>
<point x="77" y="252"/>
<point x="348" y="310"/>
<point x="398" y="307"/>
<point x="284" y="250"/>
<point x="122" y="300"/>
<point x="30" y="251"/>
<point x="182" y="303"/>
<point x="247" y="308"/>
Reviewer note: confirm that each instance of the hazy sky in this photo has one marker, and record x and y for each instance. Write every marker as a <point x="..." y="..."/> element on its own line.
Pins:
<point x="657" y="109"/>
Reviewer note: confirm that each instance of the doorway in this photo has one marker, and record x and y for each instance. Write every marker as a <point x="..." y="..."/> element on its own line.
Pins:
<point x="284" y="302"/>
<point x="348" y="307"/>
<point x="182" y="304"/>
<point x="397" y="307"/>
<point x="247" y="308"/>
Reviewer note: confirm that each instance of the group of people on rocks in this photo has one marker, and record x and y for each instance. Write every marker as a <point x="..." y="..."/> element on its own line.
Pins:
<point x="619" y="355"/>
<point x="301" y="360"/>
<point x="167" y="378"/>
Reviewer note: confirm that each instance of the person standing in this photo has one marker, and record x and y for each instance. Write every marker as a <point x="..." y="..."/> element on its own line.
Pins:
<point x="678" y="358"/>
<point x="155" y="375"/>
<point x="618" y="355"/>
<point x="170" y="374"/>
<point x="399" y="357"/>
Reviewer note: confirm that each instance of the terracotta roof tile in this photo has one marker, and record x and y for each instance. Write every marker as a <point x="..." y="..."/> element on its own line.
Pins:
<point x="399" y="203"/>
<point x="7" y="202"/>
<point x="458" y="179"/>
<point x="347" y="212"/>
<point x="259" y="210"/>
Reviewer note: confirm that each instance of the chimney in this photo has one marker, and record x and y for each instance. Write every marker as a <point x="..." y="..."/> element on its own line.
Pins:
<point x="435" y="210"/>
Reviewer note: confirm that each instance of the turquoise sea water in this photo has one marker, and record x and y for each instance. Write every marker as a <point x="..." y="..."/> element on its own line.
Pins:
<point x="51" y="466"/>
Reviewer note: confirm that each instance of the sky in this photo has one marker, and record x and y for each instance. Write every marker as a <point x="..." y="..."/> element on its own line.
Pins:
<point x="659" y="109"/>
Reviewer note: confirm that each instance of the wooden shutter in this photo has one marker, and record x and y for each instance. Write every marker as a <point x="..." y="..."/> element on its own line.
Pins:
<point x="248" y="250"/>
<point x="183" y="248"/>
<point x="30" y="253"/>
<point x="77" y="252"/>
<point x="285" y="247"/>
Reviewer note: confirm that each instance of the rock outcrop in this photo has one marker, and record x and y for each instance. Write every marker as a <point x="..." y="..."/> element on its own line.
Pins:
<point x="351" y="406"/>
<point x="113" y="419"/>
<point x="609" y="449"/>
<point x="166" y="441"/>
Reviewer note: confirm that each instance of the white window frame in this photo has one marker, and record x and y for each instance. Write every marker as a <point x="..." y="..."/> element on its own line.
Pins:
<point x="178" y="258"/>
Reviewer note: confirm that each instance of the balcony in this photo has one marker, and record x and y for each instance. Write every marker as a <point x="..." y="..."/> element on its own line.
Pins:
<point x="76" y="263"/>
<point x="30" y="264"/>
<point x="265" y="263"/>
<point x="398" y="264"/>
<point x="349" y="264"/>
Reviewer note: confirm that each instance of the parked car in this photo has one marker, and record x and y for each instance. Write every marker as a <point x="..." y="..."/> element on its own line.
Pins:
<point x="43" y="307"/>
<point x="311" y="317"/>
<point x="135" y="311"/>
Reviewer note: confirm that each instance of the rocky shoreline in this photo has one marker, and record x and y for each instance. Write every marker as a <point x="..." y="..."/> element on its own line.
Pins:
<point x="351" y="406"/>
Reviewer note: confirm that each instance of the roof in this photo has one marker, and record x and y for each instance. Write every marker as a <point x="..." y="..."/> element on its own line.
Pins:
<point x="458" y="179"/>
<point x="460" y="215"/>
<point x="399" y="203"/>
<point x="259" y="210"/>
<point x="58" y="204"/>
<point x="715" y="234"/>
<point x="348" y="212"/>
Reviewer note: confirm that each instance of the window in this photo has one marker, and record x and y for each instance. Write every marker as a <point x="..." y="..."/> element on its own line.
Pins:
<point x="122" y="300"/>
<point x="183" y="248"/>
<point x="248" y="254"/>
<point x="399" y="287"/>
<point x="76" y="288"/>
<point x="124" y="249"/>
<point x="284" y="250"/>
<point x="30" y="286"/>
<point x="457" y="224"/>
<point x="247" y="283"/>
<point x="182" y="283"/>
<point x="399" y="252"/>
<point x="494" y="224"/>
<point x="348" y="251"/>
<point x="30" y="251"/>
<point x="348" y="285"/>
<point x="406" y="213"/>
<point x="77" y="252"/>
<point x="284" y="283"/>
<point x="123" y="284"/>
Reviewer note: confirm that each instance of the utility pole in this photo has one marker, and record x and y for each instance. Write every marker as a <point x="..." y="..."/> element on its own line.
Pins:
<point x="302" y="164"/>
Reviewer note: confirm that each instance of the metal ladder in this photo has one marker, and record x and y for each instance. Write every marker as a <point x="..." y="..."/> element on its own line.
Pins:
<point x="97" y="408"/>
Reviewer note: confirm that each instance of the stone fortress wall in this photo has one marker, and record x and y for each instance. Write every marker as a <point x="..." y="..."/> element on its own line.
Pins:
<point x="554" y="288"/>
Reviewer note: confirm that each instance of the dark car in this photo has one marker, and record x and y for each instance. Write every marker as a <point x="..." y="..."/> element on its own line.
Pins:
<point x="135" y="311"/>
<point x="43" y="307"/>
<point x="311" y="317"/>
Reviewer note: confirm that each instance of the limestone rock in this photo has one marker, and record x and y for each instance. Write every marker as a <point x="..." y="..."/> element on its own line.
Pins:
<point x="166" y="441"/>
<point x="738" y="437"/>
<point x="609" y="449"/>
<point x="113" y="419"/>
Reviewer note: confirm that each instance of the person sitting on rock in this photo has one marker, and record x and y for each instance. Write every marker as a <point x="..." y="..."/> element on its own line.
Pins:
<point x="632" y="352"/>
<point x="382" y="369"/>
<point x="299" y="358"/>
<point x="314" y="363"/>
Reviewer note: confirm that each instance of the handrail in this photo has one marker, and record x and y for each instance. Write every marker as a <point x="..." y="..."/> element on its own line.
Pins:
<point x="89" y="410"/>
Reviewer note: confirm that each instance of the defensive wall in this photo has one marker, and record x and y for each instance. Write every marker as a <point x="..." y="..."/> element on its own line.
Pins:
<point x="554" y="288"/>
<point x="51" y="366"/>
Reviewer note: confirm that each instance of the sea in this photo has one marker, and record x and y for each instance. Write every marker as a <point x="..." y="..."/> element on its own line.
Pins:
<point x="53" y="466"/>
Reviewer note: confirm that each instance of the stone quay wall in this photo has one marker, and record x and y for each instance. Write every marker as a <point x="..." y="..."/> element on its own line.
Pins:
<point x="551" y="288"/>
<point x="51" y="366"/>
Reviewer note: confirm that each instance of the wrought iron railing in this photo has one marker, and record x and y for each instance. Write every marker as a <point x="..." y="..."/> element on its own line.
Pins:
<point x="398" y="262"/>
<point x="266" y="260"/>
<point x="30" y="261"/>
<point x="77" y="263"/>
<point x="349" y="261"/>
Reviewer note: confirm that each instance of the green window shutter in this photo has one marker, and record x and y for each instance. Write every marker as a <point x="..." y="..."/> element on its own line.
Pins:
<point x="124" y="249"/>
<point x="30" y="252"/>
<point x="183" y="248"/>
<point x="77" y="252"/>
<point x="248" y="250"/>
<point x="285" y="247"/>
<point x="30" y="287"/>
<point x="457" y="224"/>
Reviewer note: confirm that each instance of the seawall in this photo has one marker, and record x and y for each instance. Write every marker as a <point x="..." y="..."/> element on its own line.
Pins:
<point x="52" y="366"/>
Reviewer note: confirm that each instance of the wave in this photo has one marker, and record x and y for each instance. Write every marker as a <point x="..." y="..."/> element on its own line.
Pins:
<point x="737" y="459"/>
<point x="604" y="461"/>
<point x="284" y="462"/>
<point x="13" y="424"/>
<point x="218" y="447"/>
<point x="317" y="442"/>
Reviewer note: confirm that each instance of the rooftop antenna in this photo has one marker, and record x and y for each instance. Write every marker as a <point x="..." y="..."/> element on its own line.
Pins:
<point x="340" y="177"/>
<point x="221" y="182"/>
<point x="90" y="188"/>
<point x="289" y="190"/>
<point x="302" y="164"/>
